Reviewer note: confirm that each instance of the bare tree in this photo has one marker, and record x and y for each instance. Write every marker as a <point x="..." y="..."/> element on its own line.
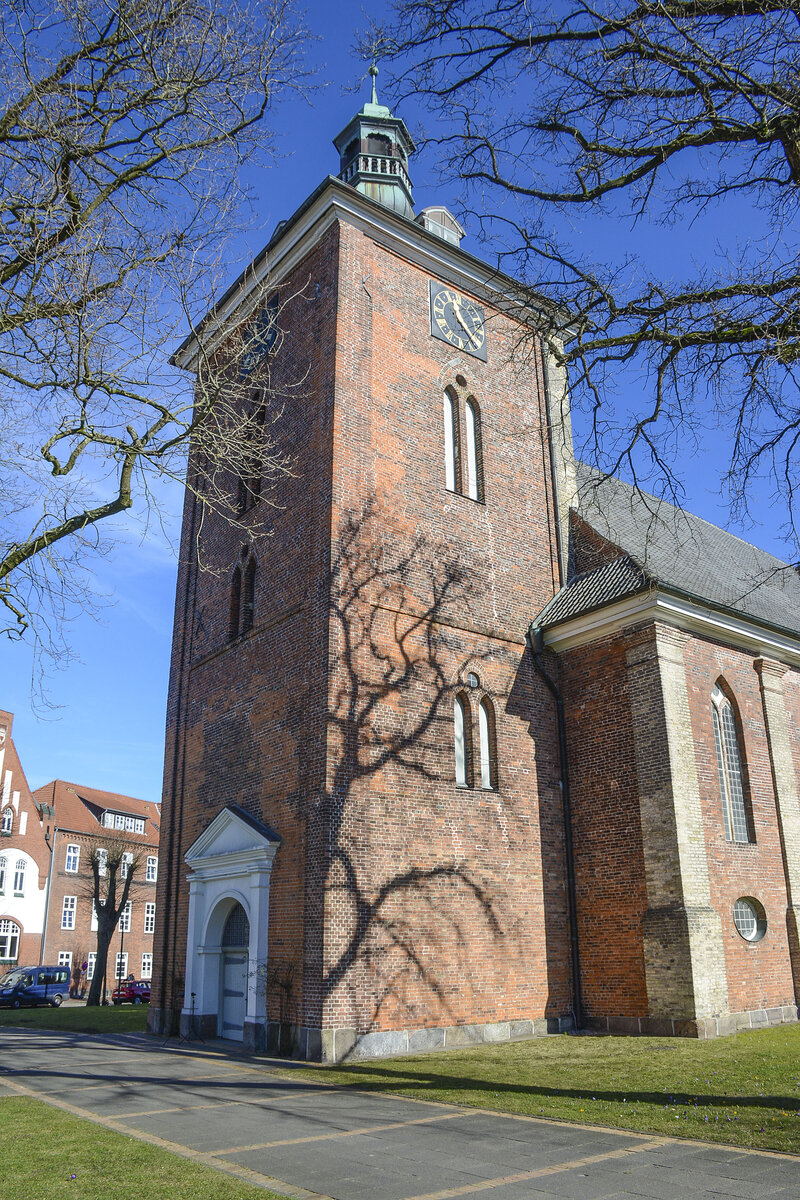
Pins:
<point x="112" y="869"/>
<point x="123" y="132"/>
<point x="680" y="113"/>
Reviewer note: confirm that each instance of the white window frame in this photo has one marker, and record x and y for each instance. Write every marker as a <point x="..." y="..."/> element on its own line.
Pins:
<point x="102" y="860"/>
<point x="73" y="858"/>
<point x="125" y="864"/>
<point x="93" y="920"/>
<point x="119" y="821"/>
<point x="123" y="960"/>
<point x="151" y="873"/>
<point x="150" y="917"/>
<point x="69" y="909"/>
<point x="139" y="826"/>
<point x="8" y="820"/>
<point x="147" y="966"/>
<point x="91" y="959"/>
<point x="9" y="940"/>
<point x="19" y="877"/>
<point x="65" y="959"/>
<point x="125" y="917"/>
<point x="130" y="824"/>
<point x="3" y="864"/>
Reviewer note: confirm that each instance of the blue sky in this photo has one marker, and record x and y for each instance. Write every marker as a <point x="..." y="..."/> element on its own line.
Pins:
<point x="105" y="726"/>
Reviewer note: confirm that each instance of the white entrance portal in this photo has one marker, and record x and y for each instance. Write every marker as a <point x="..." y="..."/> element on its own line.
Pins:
<point x="226" y="952"/>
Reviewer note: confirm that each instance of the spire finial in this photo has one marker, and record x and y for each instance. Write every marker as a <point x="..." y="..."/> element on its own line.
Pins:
<point x="374" y="73"/>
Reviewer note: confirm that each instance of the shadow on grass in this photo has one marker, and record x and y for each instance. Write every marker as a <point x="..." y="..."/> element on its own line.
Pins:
<point x="382" y="1079"/>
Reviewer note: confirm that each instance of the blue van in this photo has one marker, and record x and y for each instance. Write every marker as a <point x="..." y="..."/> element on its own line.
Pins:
<point x="34" y="985"/>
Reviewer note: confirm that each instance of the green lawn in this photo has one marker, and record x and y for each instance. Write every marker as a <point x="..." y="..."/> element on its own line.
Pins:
<point x="47" y="1152"/>
<point x="744" y="1090"/>
<point x="128" y="1018"/>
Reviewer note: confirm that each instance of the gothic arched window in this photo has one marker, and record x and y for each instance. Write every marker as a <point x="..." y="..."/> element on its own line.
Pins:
<point x="462" y="741"/>
<point x="8" y="820"/>
<point x="243" y="595"/>
<point x="727" y="739"/>
<point x="237" y="928"/>
<point x="463" y="473"/>
<point x="488" y="744"/>
<point x="474" y="450"/>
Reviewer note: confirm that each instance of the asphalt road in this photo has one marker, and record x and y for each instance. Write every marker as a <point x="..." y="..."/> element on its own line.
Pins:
<point x="310" y="1140"/>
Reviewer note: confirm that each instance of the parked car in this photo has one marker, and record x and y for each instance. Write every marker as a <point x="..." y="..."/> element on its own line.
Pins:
<point x="34" y="985"/>
<point x="132" y="992"/>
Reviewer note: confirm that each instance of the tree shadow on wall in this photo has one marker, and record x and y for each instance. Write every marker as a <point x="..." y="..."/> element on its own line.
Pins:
<point x="404" y="899"/>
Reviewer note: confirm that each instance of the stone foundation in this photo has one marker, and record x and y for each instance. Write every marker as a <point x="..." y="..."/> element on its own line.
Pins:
<point x="343" y="1044"/>
<point x="704" y="1027"/>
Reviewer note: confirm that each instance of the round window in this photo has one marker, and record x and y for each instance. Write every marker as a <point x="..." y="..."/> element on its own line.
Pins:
<point x="750" y="919"/>
<point x="472" y="680"/>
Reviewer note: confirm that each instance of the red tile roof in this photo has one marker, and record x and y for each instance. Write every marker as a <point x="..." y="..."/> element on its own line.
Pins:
<point x="80" y="809"/>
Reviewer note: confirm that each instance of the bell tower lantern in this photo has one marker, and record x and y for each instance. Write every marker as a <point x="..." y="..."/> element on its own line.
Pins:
<point x="374" y="149"/>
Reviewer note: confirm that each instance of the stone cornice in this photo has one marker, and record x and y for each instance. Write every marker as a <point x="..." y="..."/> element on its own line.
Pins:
<point x="336" y="201"/>
<point x="681" y="613"/>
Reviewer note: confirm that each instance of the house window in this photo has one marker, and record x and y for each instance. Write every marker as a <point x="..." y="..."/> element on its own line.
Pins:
<point x="486" y="730"/>
<point x="102" y="860"/>
<point x="73" y="859"/>
<point x="91" y="959"/>
<point x="8" y="821"/>
<point x="93" y="923"/>
<point x="108" y="820"/>
<point x="19" y="878"/>
<point x="2" y="875"/>
<point x="129" y="824"/>
<point x="121" y="966"/>
<point x="730" y="768"/>
<point x="125" y="918"/>
<point x="138" y="826"/>
<point x="147" y="966"/>
<point x="119" y="821"/>
<point x="461" y="739"/>
<point x="149" y="917"/>
<point x="65" y="958"/>
<point x="68" y="912"/>
<point x="9" y="941"/>
<point x="151" y="873"/>
<point x="125" y="864"/>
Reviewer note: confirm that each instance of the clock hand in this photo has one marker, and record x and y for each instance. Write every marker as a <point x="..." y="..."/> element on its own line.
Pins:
<point x="462" y="322"/>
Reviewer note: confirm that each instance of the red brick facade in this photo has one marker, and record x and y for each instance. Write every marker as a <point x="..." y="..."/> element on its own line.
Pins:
<point x="407" y="910"/>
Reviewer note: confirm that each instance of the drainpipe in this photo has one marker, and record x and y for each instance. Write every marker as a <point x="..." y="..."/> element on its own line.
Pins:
<point x="535" y="641"/>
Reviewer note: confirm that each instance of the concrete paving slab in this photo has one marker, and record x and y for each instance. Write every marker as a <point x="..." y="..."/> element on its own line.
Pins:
<point x="365" y="1146"/>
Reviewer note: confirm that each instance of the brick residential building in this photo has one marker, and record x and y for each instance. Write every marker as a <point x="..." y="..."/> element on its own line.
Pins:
<point x="471" y="746"/>
<point x="46" y="910"/>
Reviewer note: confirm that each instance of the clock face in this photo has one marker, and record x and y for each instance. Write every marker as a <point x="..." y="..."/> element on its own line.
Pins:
<point x="457" y="320"/>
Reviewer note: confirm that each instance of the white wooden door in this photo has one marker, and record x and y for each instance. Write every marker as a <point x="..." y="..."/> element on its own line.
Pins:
<point x="234" y="995"/>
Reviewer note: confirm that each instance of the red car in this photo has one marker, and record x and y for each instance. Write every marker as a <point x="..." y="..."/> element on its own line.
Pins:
<point x="131" y="992"/>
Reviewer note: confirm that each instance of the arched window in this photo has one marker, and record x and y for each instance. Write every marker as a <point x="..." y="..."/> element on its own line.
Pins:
<point x="19" y="877"/>
<point x="8" y="820"/>
<point x="236" y="601"/>
<point x="9" y="941"/>
<point x="474" y="450"/>
<point x="488" y="744"/>
<point x="461" y="741"/>
<point x="452" y="457"/>
<point x="243" y="595"/>
<point x="237" y="928"/>
<point x="249" y="595"/>
<point x="2" y="875"/>
<point x="729" y="767"/>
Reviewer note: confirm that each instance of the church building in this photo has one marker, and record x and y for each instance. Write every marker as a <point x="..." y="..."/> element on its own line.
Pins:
<point x="465" y="743"/>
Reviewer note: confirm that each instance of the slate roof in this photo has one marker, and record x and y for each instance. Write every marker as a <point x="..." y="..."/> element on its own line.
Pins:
<point x="79" y="809"/>
<point x="665" y="547"/>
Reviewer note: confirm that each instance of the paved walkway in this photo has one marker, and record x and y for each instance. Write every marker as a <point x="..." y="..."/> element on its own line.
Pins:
<point x="310" y="1140"/>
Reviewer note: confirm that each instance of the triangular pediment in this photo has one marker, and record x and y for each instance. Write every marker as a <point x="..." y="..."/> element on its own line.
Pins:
<point x="233" y="831"/>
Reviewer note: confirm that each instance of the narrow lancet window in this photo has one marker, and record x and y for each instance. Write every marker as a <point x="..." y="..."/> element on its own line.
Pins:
<point x="461" y="741"/>
<point x="486" y="731"/>
<point x="729" y="768"/>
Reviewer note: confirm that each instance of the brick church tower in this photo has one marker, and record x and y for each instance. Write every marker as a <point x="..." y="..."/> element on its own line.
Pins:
<point x="362" y="815"/>
<point x="402" y="811"/>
